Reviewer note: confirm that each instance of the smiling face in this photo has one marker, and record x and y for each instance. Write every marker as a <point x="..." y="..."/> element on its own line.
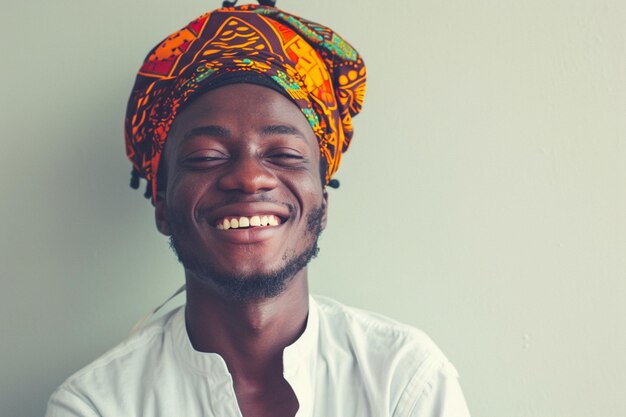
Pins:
<point x="243" y="201"/>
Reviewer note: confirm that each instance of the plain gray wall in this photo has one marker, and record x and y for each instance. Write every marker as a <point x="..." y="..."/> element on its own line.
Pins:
<point x="483" y="199"/>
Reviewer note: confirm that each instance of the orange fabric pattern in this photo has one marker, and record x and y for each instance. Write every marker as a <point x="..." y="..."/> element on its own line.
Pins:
<point x="321" y="73"/>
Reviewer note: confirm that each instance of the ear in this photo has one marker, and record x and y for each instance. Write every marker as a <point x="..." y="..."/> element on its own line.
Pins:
<point x="324" y="208"/>
<point x="161" y="217"/>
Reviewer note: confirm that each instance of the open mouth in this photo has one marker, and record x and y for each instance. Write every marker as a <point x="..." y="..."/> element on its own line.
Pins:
<point x="244" y="222"/>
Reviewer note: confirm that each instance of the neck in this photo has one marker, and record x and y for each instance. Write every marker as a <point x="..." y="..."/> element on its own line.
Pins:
<point x="250" y="335"/>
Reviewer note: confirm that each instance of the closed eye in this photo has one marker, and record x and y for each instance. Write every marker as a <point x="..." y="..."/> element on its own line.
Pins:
<point x="287" y="156"/>
<point x="287" y="159"/>
<point x="204" y="158"/>
<point x="205" y="161"/>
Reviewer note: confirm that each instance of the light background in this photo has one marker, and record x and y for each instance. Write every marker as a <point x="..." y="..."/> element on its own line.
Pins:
<point x="483" y="199"/>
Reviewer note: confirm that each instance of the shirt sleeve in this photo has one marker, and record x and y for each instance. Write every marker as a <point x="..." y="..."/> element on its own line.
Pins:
<point x="64" y="403"/>
<point x="436" y="395"/>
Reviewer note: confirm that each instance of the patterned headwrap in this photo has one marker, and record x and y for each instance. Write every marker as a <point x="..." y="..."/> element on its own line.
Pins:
<point x="313" y="66"/>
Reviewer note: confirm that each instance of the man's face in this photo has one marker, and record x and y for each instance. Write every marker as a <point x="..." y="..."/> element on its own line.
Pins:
<point x="243" y="201"/>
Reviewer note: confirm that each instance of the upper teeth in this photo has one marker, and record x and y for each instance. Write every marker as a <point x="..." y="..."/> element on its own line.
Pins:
<point x="244" y="222"/>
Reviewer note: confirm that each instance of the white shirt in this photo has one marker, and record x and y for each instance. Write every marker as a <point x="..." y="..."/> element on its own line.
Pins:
<point x="347" y="363"/>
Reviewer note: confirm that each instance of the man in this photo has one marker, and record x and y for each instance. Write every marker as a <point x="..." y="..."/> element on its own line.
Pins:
<point x="238" y="122"/>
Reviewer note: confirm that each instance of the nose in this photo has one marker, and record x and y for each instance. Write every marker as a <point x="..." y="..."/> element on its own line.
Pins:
<point x="247" y="174"/>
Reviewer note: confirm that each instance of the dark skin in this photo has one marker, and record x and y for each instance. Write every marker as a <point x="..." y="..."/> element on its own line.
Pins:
<point x="243" y="150"/>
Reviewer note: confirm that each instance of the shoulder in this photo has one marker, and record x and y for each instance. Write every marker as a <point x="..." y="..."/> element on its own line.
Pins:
<point x="401" y="358"/>
<point x="381" y="333"/>
<point x="143" y="344"/>
<point x="118" y="369"/>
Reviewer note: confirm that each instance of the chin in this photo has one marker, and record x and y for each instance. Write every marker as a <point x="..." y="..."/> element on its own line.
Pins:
<point x="253" y="285"/>
<point x="249" y="283"/>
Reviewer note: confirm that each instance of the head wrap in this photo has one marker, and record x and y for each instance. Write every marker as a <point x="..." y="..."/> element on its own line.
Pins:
<point x="313" y="66"/>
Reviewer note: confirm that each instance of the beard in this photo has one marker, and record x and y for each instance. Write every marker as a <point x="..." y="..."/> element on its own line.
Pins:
<point x="248" y="287"/>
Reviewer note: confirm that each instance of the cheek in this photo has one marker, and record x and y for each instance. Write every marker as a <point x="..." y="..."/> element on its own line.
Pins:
<point x="183" y="194"/>
<point x="308" y="190"/>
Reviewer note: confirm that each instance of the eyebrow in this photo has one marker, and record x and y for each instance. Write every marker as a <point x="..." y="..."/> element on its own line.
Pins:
<point x="211" y="130"/>
<point x="220" y="132"/>
<point x="282" y="130"/>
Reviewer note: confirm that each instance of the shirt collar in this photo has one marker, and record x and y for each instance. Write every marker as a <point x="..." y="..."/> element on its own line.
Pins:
<point x="300" y="362"/>
<point x="297" y="358"/>
<point x="304" y="349"/>
<point x="210" y="364"/>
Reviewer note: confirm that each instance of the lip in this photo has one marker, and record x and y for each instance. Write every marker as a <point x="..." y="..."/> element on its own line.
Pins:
<point x="252" y="234"/>
<point x="248" y="210"/>
<point x="248" y="236"/>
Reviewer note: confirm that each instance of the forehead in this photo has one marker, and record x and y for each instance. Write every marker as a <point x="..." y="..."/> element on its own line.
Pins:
<point x="241" y="109"/>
